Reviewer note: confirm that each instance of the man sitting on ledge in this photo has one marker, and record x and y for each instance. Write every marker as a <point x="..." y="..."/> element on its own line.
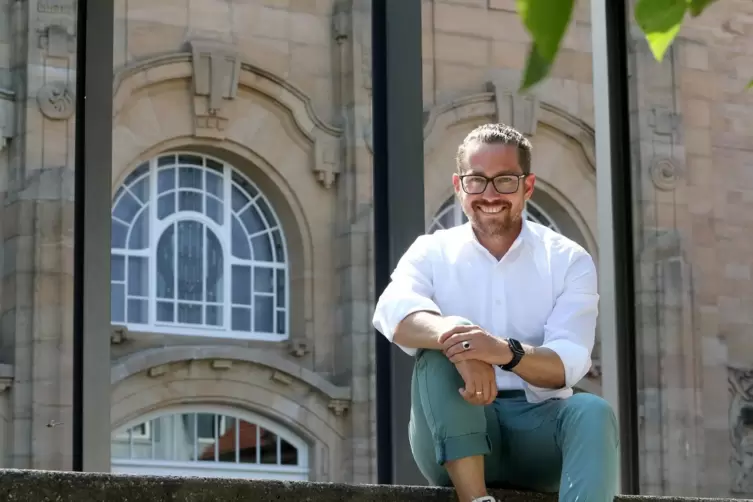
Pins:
<point x="500" y="314"/>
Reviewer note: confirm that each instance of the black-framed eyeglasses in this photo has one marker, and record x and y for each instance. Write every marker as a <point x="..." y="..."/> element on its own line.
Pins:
<point x="475" y="184"/>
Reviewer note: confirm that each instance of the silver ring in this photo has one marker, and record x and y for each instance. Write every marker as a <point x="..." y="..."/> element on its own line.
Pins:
<point x="466" y="345"/>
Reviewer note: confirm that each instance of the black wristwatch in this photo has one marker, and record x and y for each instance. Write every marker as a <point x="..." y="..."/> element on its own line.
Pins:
<point x="517" y="354"/>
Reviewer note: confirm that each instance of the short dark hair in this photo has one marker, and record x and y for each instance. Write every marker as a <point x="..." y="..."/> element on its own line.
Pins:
<point x="497" y="134"/>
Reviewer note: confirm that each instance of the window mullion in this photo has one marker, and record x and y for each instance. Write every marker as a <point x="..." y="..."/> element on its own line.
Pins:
<point x="152" y="244"/>
<point x="227" y="249"/>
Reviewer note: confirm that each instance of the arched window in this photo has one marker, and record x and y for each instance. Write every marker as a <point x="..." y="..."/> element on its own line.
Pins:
<point x="451" y="214"/>
<point x="198" y="250"/>
<point x="209" y="442"/>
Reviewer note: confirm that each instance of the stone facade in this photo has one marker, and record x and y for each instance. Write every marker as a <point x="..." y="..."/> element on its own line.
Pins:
<point x="280" y="91"/>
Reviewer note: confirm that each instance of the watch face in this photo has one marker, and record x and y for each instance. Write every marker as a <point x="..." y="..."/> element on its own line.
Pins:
<point x="516" y="347"/>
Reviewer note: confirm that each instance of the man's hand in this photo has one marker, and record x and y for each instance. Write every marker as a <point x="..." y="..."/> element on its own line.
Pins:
<point x="465" y="343"/>
<point x="480" y="383"/>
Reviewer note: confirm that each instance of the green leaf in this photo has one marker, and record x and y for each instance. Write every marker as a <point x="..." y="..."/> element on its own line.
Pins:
<point x="537" y="68"/>
<point x="546" y="21"/>
<point x="660" y="20"/>
<point x="698" y="6"/>
<point x="750" y="85"/>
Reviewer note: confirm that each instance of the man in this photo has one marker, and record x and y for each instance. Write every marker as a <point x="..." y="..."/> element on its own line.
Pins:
<point x="500" y="314"/>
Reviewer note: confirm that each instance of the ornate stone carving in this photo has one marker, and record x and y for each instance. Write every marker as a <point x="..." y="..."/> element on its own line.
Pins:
<point x="221" y="364"/>
<point x="338" y="406"/>
<point x="57" y="42"/>
<point x="57" y="100"/>
<point x="158" y="371"/>
<point x="56" y="6"/>
<point x="520" y="111"/>
<point x="741" y="428"/>
<point x="299" y="348"/>
<point x="664" y="122"/>
<point x="216" y="72"/>
<point x="118" y="335"/>
<point x="281" y="378"/>
<point x="665" y="174"/>
<point x="326" y="163"/>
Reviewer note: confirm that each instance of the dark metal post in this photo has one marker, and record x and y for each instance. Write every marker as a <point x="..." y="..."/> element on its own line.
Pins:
<point x="91" y="267"/>
<point x="398" y="208"/>
<point x="615" y="204"/>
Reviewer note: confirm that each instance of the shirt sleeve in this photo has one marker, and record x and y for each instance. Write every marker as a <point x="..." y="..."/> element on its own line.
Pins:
<point x="410" y="290"/>
<point x="571" y="327"/>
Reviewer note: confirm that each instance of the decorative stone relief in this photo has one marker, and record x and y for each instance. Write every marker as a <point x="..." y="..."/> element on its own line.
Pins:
<point x="7" y="117"/>
<point x="56" y="6"/>
<point x="338" y="406"/>
<point x="158" y="371"/>
<point x="520" y="111"/>
<point x="664" y="174"/>
<point x="57" y="100"/>
<point x="664" y="122"/>
<point x="118" y="335"/>
<point x="340" y="24"/>
<point x="299" y="348"/>
<point x="741" y="428"/>
<point x="326" y="162"/>
<point x="216" y="72"/>
<point x="281" y="378"/>
<point x="221" y="364"/>
<point x="57" y="41"/>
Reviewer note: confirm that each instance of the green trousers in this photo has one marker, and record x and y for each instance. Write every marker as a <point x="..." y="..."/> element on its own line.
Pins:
<point x="566" y="445"/>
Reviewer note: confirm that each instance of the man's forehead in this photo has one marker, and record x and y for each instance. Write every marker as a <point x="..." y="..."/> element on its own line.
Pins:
<point x="492" y="159"/>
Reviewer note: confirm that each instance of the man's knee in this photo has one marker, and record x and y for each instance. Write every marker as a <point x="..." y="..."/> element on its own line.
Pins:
<point x="591" y="413"/>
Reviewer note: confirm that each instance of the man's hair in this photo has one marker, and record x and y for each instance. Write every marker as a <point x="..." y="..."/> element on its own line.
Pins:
<point x="489" y="134"/>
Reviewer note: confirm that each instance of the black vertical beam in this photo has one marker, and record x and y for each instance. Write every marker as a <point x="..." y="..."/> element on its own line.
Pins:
<point x="398" y="208"/>
<point x="91" y="251"/>
<point x="622" y="223"/>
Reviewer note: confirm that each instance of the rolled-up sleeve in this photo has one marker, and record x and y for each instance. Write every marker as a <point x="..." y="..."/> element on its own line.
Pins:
<point x="571" y="327"/>
<point x="410" y="290"/>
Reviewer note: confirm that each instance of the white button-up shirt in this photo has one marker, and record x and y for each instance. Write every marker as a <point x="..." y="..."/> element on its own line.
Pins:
<point x="543" y="292"/>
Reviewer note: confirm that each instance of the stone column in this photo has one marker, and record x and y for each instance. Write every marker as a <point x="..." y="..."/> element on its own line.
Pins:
<point x="355" y="354"/>
<point x="669" y="364"/>
<point x="37" y="282"/>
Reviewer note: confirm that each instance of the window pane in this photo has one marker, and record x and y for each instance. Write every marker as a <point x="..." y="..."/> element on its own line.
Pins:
<point x="190" y="177"/>
<point x="141" y="190"/>
<point x="241" y="285"/>
<point x="165" y="257"/>
<point x="288" y="453"/>
<point x="117" y="303"/>
<point x="252" y="220"/>
<point x="117" y="268"/>
<point x="241" y="246"/>
<point x="215" y="268"/>
<point x="189" y="313"/>
<point x="263" y="280"/>
<point x="137" y="311"/>
<point x="241" y="319"/>
<point x="248" y="439"/>
<point x="165" y="180"/>
<point x="165" y="312"/>
<point x="138" y="274"/>
<point x="268" y="447"/>
<point x="126" y="207"/>
<point x="190" y="201"/>
<point x="139" y="237"/>
<point x="262" y="248"/>
<point x="190" y="260"/>
<point x="263" y="314"/>
<point x="165" y="205"/>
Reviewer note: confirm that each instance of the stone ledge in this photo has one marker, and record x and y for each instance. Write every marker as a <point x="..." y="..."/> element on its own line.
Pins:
<point x="53" y="486"/>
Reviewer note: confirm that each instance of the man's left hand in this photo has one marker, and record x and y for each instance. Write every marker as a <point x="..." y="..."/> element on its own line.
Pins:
<point x="477" y="344"/>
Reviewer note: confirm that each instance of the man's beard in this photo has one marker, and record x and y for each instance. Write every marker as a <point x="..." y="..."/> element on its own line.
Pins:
<point x="495" y="224"/>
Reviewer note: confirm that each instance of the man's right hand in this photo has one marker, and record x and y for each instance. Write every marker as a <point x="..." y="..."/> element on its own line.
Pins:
<point x="480" y="382"/>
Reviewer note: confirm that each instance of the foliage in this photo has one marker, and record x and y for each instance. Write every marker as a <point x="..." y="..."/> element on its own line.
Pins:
<point x="548" y="20"/>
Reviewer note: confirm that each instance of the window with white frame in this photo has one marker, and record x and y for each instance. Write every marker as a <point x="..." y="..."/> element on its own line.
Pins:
<point x="197" y="249"/>
<point x="451" y="214"/>
<point x="209" y="442"/>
